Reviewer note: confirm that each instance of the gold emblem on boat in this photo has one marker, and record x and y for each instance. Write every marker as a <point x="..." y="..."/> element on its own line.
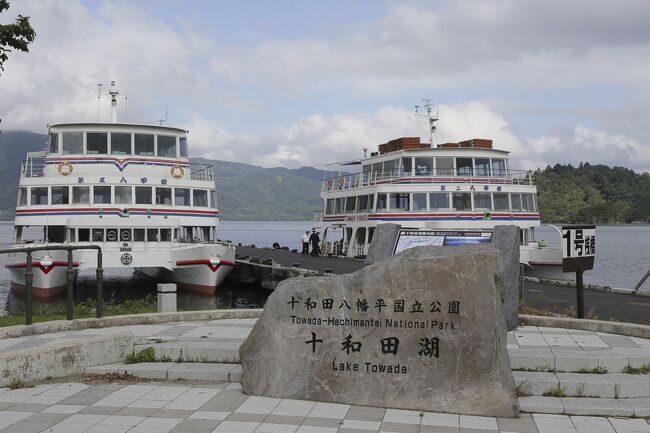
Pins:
<point x="177" y="171"/>
<point x="65" y="168"/>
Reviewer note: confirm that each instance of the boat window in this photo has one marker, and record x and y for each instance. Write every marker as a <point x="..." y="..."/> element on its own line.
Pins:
<point x="516" y="201"/>
<point x="382" y="201"/>
<point x="461" y="201"/>
<point x="329" y="207"/>
<point x="527" y="202"/>
<point x="371" y="200"/>
<point x="143" y="144"/>
<point x="152" y="235"/>
<point x="366" y="172"/>
<point x="200" y="197"/>
<point x="73" y="142"/>
<point x="98" y="235"/>
<point x="340" y="205"/>
<point x="142" y="195"/>
<point x="138" y="235"/>
<point x="125" y="235"/>
<point x="111" y="235"/>
<point x="419" y="201"/>
<point x="84" y="235"/>
<point x="182" y="144"/>
<point x="60" y="195"/>
<point x="165" y="235"/>
<point x="80" y="194"/>
<point x="123" y="195"/>
<point x="167" y="145"/>
<point x="464" y="166"/>
<point x="39" y="195"/>
<point x="54" y="142"/>
<point x="181" y="196"/>
<point x="120" y="143"/>
<point x="439" y="201"/>
<point x="101" y="194"/>
<point x="482" y="201"/>
<point x="56" y="233"/>
<point x="72" y="235"/>
<point x="97" y="142"/>
<point x="501" y="201"/>
<point x="482" y="166"/>
<point x="350" y="204"/>
<point x="362" y="203"/>
<point x="444" y="166"/>
<point x="407" y="165"/>
<point x="399" y="201"/>
<point x="22" y="197"/>
<point x="377" y="171"/>
<point x="498" y="167"/>
<point x="423" y="166"/>
<point x="390" y="168"/>
<point x="213" y="199"/>
<point x="163" y="195"/>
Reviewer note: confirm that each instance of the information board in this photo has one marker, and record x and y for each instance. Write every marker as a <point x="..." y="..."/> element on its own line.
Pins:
<point x="416" y="238"/>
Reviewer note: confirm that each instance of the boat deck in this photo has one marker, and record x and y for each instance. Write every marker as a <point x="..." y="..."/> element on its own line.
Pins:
<point x="287" y="259"/>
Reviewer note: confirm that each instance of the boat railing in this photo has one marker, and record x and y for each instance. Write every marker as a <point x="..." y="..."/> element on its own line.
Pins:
<point x="317" y="216"/>
<point x="201" y="172"/>
<point x="358" y="180"/>
<point x="34" y="165"/>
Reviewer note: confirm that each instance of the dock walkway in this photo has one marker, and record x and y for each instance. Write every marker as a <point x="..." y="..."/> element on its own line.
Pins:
<point x="287" y="259"/>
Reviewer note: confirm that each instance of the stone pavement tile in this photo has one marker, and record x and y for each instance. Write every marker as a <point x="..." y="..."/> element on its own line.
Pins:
<point x="632" y="385"/>
<point x="284" y="419"/>
<point x="166" y="393"/>
<point x="441" y="419"/>
<point x="399" y="428"/>
<point x="149" y="404"/>
<point x="535" y="382"/>
<point x="195" y="426"/>
<point x="523" y="424"/>
<point x="630" y="425"/>
<point x="350" y="430"/>
<point x="614" y="362"/>
<point x="209" y="415"/>
<point x="532" y="404"/>
<point x="587" y="385"/>
<point x="47" y="417"/>
<point x="560" y="340"/>
<point x="592" y="424"/>
<point x="316" y="429"/>
<point x="236" y="427"/>
<point x="601" y="406"/>
<point x="366" y="413"/>
<point x="8" y="417"/>
<point x="438" y="429"/>
<point x="121" y="420"/>
<point x="193" y="398"/>
<point x="27" y="427"/>
<point x="100" y="428"/>
<point x="322" y="422"/>
<point x="641" y="406"/>
<point x="618" y="341"/>
<point x="200" y="371"/>
<point x="295" y="408"/>
<point x="478" y="422"/>
<point x="259" y="405"/>
<point x="4" y="406"/>
<point x="242" y="416"/>
<point x="225" y="401"/>
<point x="100" y="410"/>
<point x="329" y="410"/>
<point x="276" y="428"/>
<point x="80" y="401"/>
<point x="354" y="424"/>
<point x="157" y="424"/>
<point x="29" y="407"/>
<point x="402" y="416"/>
<point x="475" y="430"/>
<point x="549" y="423"/>
<point x="173" y="413"/>
<point x="136" y="411"/>
<point x="63" y="408"/>
<point x="573" y="360"/>
<point x="531" y="360"/>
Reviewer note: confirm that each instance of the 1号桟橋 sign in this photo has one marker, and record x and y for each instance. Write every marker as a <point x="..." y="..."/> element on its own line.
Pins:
<point x="578" y="247"/>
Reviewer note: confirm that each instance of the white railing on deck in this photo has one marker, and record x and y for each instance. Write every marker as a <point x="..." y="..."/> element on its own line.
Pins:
<point x="201" y="172"/>
<point x="358" y="180"/>
<point x="34" y="165"/>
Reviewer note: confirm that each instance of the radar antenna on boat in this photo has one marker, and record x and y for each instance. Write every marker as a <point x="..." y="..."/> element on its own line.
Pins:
<point x="430" y="116"/>
<point x="113" y="92"/>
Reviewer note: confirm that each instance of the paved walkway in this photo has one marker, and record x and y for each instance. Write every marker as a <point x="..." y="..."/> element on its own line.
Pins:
<point x="152" y="407"/>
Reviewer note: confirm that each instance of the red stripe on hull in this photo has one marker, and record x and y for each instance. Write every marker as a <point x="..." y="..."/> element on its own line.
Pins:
<point x="198" y="288"/>
<point x="46" y="269"/>
<point x="39" y="292"/>
<point x="213" y="268"/>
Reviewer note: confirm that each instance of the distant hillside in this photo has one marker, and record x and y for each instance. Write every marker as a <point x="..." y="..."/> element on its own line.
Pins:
<point x="245" y="192"/>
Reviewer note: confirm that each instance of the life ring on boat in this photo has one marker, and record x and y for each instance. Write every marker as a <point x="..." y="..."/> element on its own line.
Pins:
<point x="329" y="183"/>
<point x="341" y="182"/>
<point x="177" y="172"/>
<point x="65" y="168"/>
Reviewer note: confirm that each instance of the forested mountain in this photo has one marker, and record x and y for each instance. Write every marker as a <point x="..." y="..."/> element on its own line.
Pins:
<point x="583" y="194"/>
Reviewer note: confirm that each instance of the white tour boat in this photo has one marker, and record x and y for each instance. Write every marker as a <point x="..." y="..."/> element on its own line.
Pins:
<point x="466" y="187"/>
<point x="129" y="188"/>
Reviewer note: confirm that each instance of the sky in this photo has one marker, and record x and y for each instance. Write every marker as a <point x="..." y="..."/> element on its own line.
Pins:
<point x="305" y="83"/>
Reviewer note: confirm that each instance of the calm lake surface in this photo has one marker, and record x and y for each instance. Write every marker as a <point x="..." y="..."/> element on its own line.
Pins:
<point x="622" y="258"/>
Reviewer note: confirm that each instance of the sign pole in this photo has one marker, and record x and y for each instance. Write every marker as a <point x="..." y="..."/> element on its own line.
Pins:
<point x="580" y="292"/>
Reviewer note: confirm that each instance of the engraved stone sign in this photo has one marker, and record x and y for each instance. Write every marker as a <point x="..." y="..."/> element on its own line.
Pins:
<point x="420" y="330"/>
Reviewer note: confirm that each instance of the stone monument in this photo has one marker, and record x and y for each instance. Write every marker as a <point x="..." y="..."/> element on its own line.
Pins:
<point x="421" y="330"/>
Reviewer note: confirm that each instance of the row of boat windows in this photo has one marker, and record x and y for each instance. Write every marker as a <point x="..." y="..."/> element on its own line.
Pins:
<point x="117" y="143"/>
<point x="56" y="233"/>
<point x="440" y="166"/>
<point x="434" y="201"/>
<point x="122" y="194"/>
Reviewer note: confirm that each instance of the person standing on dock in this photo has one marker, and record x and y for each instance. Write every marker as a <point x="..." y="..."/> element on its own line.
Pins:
<point x="314" y="239"/>
<point x="305" y="243"/>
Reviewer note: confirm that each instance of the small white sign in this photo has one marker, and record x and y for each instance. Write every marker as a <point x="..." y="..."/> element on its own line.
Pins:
<point x="578" y="241"/>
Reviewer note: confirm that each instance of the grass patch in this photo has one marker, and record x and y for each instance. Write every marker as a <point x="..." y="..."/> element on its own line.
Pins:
<point x="558" y="391"/>
<point x="526" y="307"/>
<point x="644" y="369"/>
<point x="545" y="369"/>
<point x="17" y="384"/>
<point x="597" y="370"/>
<point x="145" y="355"/>
<point x="85" y="309"/>
<point x="522" y="390"/>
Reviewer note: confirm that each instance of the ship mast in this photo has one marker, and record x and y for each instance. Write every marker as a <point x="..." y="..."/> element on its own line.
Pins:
<point x="431" y="118"/>
<point x="113" y="92"/>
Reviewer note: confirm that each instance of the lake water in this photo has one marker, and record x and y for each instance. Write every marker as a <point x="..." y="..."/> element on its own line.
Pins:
<point x="622" y="258"/>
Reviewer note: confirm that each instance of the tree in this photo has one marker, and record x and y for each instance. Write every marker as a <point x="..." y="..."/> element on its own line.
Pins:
<point x="17" y="35"/>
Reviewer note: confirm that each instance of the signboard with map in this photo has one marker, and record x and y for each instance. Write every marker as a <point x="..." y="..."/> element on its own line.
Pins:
<point x="416" y="238"/>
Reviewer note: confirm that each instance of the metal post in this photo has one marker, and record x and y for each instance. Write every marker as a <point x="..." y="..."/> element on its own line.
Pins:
<point x="580" y="293"/>
<point x="100" y="284"/>
<point x="641" y="281"/>
<point x="521" y="281"/>
<point x="69" y="300"/>
<point x="29" y="278"/>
